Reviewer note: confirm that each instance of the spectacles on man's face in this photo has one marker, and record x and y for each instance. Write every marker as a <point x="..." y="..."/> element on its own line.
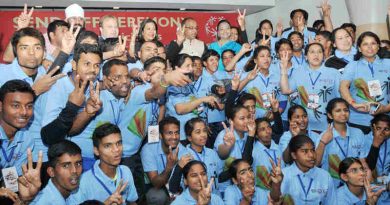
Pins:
<point x="356" y="170"/>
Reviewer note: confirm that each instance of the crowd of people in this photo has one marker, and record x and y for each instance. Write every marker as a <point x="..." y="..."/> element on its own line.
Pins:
<point x="297" y="116"/>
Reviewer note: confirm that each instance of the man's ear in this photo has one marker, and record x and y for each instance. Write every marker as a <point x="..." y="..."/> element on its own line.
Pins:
<point x="50" y="171"/>
<point x="95" y="151"/>
<point x="74" y="65"/>
<point x="1" y="106"/>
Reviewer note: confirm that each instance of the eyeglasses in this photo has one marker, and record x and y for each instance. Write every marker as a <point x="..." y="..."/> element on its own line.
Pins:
<point x="357" y="170"/>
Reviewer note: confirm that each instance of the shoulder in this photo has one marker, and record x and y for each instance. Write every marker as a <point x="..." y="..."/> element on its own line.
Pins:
<point x="312" y="29"/>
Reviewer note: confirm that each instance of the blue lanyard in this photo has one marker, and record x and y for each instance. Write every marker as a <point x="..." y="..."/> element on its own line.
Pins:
<point x="306" y="192"/>
<point x="8" y="158"/>
<point x="371" y="67"/>
<point x="264" y="82"/>
<point x="197" y="155"/>
<point x="100" y="181"/>
<point x="274" y="156"/>
<point x="291" y="72"/>
<point x="382" y="162"/>
<point x="313" y="83"/>
<point x="154" y="113"/>
<point x="200" y="83"/>
<point x="299" y="62"/>
<point x="116" y="118"/>
<point x="342" y="150"/>
<point x="345" y="60"/>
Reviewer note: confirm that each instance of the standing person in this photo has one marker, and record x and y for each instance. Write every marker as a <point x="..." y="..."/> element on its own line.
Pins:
<point x="325" y="39"/>
<point x="302" y="182"/>
<point x="364" y="84"/>
<point x="314" y="83"/>
<point x="265" y="28"/>
<point x="107" y="181"/>
<point x="339" y="140"/>
<point x="357" y="188"/>
<point x="298" y="54"/>
<point x="145" y="32"/>
<point x="223" y="41"/>
<point x="298" y="18"/>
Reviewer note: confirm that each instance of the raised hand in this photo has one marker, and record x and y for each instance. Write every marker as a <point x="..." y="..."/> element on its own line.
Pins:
<point x="229" y="138"/>
<point x="279" y="27"/>
<point x="116" y="197"/>
<point x="253" y="73"/>
<point x="176" y="78"/>
<point x="241" y="19"/>
<point x="379" y="136"/>
<point x="69" y="39"/>
<point x="265" y="41"/>
<point x="211" y="100"/>
<point x="236" y="80"/>
<point x="24" y="18"/>
<point x="326" y="8"/>
<point x="251" y="126"/>
<point x="120" y="47"/>
<point x="328" y="135"/>
<point x="246" y="47"/>
<point x="204" y="195"/>
<point x="372" y="196"/>
<point x="184" y="160"/>
<point x="172" y="157"/>
<point x="180" y="37"/>
<point x="44" y="83"/>
<point x="30" y="182"/>
<point x="94" y="104"/>
<point x="284" y="60"/>
<point x="77" y="96"/>
<point x="294" y="129"/>
<point x="274" y="102"/>
<point x="276" y="173"/>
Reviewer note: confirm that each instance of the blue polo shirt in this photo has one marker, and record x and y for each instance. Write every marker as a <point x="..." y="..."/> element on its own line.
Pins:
<point x="340" y="148"/>
<point x="346" y="197"/>
<point x="346" y="57"/>
<point x="186" y="198"/>
<point x="359" y="73"/>
<point x="13" y="71"/>
<point x="137" y="115"/>
<point x="95" y="184"/>
<point x="48" y="195"/>
<point x="228" y="45"/>
<point x="323" y="82"/>
<point x="14" y="153"/>
<point x="233" y="196"/>
<point x="313" y="187"/>
<point x="154" y="159"/>
<point x="383" y="163"/>
<point x="261" y="164"/>
<point x="137" y="64"/>
<point x="265" y="84"/>
<point x="306" y="34"/>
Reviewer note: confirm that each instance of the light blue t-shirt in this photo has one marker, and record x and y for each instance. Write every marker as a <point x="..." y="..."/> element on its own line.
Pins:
<point x="312" y="187"/>
<point x="48" y="195"/>
<point x="14" y="71"/>
<point x="95" y="184"/>
<point x="359" y="74"/>
<point x="187" y="199"/>
<point x="137" y="115"/>
<point x="233" y="196"/>
<point x="307" y="34"/>
<point x="340" y="148"/>
<point x="14" y="153"/>
<point x="228" y="45"/>
<point x="322" y="83"/>
<point x="346" y="197"/>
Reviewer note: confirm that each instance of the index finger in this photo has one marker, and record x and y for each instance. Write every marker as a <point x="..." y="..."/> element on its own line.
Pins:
<point x="224" y="126"/>
<point x="239" y="12"/>
<point x="51" y="73"/>
<point x="25" y="9"/>
<point x="97" y="89"/>
<point x="31" y="12"/>
<point x="123" y="187"/>
<point x="201" y="182"/>
<point x="29" y="159"/>
<point x="244" y="12"/>
<point x="120" y="39"/>
<point x="211" y="183"/>
<point x="83" y="84"/>
<point x="71" y="27"/>
<point x="76" y="32"/>
<point x="39" y="163"/>
<point x="117" y="190"/>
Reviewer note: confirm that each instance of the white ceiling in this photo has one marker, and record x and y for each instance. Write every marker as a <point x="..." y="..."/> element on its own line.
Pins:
<point x="252" y="6"/>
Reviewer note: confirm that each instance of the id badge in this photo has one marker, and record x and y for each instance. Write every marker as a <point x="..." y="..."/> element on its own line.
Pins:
<point x="374" y="87"/>
<point x="266" y="100"/>
<point x="153" y="134"/>
<point x="10" y="176"/>
<point x="313" y="101"/>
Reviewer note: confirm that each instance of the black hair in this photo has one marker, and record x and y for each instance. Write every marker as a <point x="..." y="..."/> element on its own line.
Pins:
<point x="51" y="28"/>
<point x="142" y="27"/>
<point x="239" y="39"/>
<point x="159" y="44"/>
<point x="250" y="65"/>
<point x="167" y="121"/>
<point x="264" y="22"/>
<point x="333" y="36"/>
<point x="360" y="41"/>
<point x="103" y="131"/>
<point x="351" y="25"/>
<point x="13" y="86"/>
<point x="292" y="110"/>
<point x="312" y="44"/>
<point x="84" y="34"/>
<point x="233" y="167"/>
<point x="28" y="31"/>
<point x="186" y="169"/>
<point x="190" y="124"/>
<point x="180" y="59"/>
<point x="298" y="141"/>
<point x="385" y="41"/>
<point x="109" y="64"/>
<point x="305" y="14"/>
<point x="63" y="147"/>
<point x="245" y="97"/>
<point x="92" y="202"/>
<point x="326" y="34"/>
<point x="260" y="120"/>
<point x="332" y="104"/>
<point x="318" y="23"/>
<point x="219" y="23"/>
<point x="152" y="60"/>
<point x="228" y="50"/>
<point x="281" y="42"/>
<point x="231" y="113"/>
<point x="208" y="53"/>
<point x="86" y="48"/>
<point x="346" y="163"/>
<point x="380" y="117"/>
<point x="194" y="58"/>
<point x="295" y="33"/>
<point x="109" y="44"/>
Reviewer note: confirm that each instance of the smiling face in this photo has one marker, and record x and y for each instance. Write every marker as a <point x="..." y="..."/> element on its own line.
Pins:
<point x="369" y="47"/>
<point x="171" y="135"/>
<point x="190" y="29"/>
<point x="149" y="32"/>
<point x="300" y="118"/>
<point x="192" y="180"/>
<point x="343" y="40"/>
<point x="120" y="81"/>
<point x="244" y="175"/>
<point x="297" y="42"/>
<point x="224" y="31"/>
<point x="264" y="132"/>
<point x="16" y="110"/>
<point x="241" y="119"/>
<point x="87" y="67"/>
<point x="199" y="134"/>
